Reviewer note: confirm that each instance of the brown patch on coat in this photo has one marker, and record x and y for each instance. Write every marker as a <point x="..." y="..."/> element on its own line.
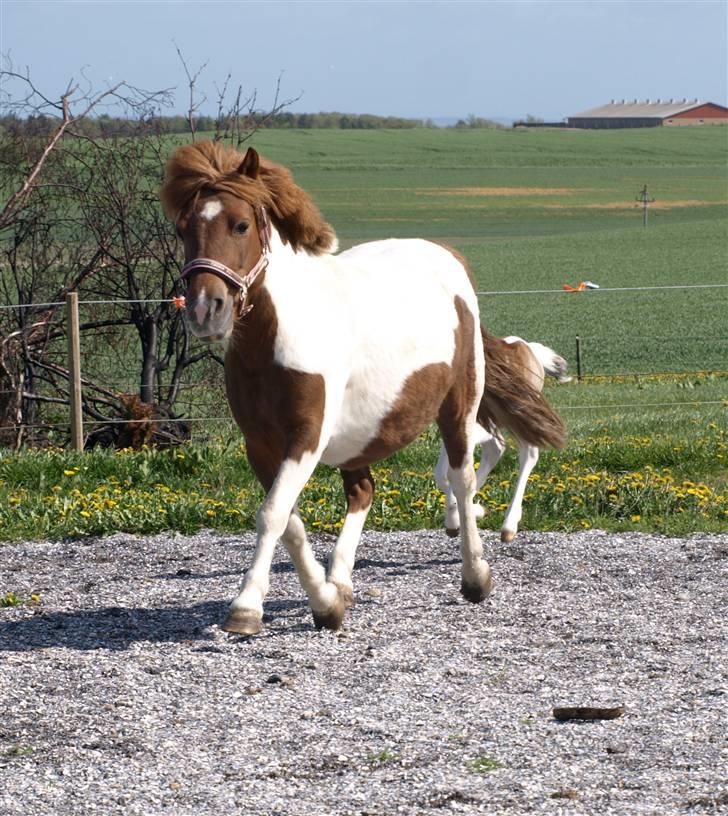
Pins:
<point x="512" y="401"/>
<point x="359" y="489"/>
<point x="415" y="407"/>
<point x="460" y="398"/>
<point x="279" y="410"/>
<point x="214" y="167"/>
<point x="435" y="391"/>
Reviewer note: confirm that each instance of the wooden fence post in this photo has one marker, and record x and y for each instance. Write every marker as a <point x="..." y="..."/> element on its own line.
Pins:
<point x="74" y="370"/>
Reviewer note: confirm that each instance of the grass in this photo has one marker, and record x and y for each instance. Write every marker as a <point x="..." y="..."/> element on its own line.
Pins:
<point x="643" y="470"/>
<point x="529" y="210"/>
<point x="484" y="765"/>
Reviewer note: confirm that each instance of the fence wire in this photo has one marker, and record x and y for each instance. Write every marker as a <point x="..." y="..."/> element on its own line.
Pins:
<point x="109" y="351"/>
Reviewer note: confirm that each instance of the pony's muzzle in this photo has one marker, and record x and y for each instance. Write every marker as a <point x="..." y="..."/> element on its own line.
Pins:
<point x="207" y="315"/>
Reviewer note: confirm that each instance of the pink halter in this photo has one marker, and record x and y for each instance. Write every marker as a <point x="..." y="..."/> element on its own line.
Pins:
<point x="240" y="282"/>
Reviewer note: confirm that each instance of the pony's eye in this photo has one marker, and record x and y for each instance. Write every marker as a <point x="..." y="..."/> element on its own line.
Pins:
<point x="241" y="228"/>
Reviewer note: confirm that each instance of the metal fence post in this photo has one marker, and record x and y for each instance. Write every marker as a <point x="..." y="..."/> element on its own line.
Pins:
<point x="578" y="358"/>
<point x="74" y="370"/>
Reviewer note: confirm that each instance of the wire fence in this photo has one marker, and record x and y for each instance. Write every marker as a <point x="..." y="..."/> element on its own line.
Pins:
<point x="108" y="352"/>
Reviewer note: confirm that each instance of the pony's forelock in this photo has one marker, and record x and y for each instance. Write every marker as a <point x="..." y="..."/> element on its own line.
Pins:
<point x="213" y="166"/>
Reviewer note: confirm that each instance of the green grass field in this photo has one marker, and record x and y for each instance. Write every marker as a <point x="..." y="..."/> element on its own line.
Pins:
<point x="534" y="209"/>
<point x="529" y="209"/>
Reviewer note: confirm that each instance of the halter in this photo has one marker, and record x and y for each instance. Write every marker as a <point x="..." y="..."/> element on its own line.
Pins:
<point x="241" y="282"/>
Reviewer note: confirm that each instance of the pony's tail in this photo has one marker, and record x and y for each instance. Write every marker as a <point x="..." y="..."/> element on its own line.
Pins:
<point x="511" y="402"/>
<point x="553" y="364"/>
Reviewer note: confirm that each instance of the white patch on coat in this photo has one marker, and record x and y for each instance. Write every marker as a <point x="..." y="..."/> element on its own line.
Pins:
<point x="357" y="319"/>
<point x="212" y="208"/>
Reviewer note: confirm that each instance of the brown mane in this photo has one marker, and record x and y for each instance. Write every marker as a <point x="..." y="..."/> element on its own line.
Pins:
<point x="213" y="166"/>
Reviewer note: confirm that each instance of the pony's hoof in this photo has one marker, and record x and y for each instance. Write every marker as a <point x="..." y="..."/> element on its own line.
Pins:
<point x="478" y="588"/>
<point x="243" y="622"/>
<point x="331" y="618"/>
<point x="507" y="536"/>
<point x="453" y="532"/>
<point x="346" y="593"/>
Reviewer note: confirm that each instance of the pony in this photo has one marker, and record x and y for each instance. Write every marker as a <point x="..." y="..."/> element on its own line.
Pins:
<point x="533" y="361"/>
<point x="335" y="359"/>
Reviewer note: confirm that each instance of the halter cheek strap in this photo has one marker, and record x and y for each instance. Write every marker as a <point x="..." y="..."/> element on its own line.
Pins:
<point x="241" y="282"/>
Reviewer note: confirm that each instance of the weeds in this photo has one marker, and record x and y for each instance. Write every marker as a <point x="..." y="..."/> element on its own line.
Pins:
<point x="671" y="481"/>
<point x="484" y="765"/>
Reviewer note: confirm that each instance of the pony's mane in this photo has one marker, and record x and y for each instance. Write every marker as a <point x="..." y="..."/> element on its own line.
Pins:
<point x="213" y="166"/>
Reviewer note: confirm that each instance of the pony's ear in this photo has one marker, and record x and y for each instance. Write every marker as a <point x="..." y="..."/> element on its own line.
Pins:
<point x="249" y="165"/>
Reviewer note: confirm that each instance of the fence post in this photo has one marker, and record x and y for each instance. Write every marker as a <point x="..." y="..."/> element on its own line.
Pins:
<point x="578" y="358"/>
<point x="74" y="370"/>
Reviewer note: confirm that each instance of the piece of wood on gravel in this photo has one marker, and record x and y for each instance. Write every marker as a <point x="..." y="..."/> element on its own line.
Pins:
<point x="564" y="713"/>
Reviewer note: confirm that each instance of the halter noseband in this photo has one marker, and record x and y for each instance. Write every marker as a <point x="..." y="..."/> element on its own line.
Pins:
<point x="241" y="282"/>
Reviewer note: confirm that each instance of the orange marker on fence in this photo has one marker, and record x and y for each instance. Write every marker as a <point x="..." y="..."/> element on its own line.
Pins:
<point x="179" y="302"/>
<point x="581" y="287"/>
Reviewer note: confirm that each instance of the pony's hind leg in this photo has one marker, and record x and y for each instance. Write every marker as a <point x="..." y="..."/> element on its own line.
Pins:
<point x="527" y="459"/>
<point x="491" y="450"/>
<point x="359" y="488"/>
<point x="476" y="579"/>
<point x="452" y="517"/>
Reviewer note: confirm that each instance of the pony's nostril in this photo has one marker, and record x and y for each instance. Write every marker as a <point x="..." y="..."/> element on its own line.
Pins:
<point x="217" y="304"/>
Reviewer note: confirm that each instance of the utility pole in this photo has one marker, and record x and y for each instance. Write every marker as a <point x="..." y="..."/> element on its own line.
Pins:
<point x="646" y="201"/>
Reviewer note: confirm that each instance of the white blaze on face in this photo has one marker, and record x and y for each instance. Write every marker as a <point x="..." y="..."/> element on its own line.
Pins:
<point x="211" y="209"/>
<point x="201" y="307"/>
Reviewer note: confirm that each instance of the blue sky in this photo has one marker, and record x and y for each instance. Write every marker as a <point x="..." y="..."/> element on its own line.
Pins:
<point x="547" y="58"/>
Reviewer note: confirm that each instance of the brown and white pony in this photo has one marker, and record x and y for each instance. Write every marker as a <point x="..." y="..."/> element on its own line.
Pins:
<point x="513" y="358"/>
<point x="342" y="360"/>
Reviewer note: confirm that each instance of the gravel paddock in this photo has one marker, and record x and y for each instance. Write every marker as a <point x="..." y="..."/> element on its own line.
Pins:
<point x="119" y="694"/>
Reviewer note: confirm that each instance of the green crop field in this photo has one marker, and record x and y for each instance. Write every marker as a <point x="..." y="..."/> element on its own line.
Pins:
<point x="534" y="209"/>
<point x="530" y="210"/>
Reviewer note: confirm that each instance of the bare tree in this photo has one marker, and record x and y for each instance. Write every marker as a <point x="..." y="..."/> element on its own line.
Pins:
<point x="81" y="213"/>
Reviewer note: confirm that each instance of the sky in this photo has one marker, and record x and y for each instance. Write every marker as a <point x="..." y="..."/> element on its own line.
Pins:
<point x="546" y="58"/>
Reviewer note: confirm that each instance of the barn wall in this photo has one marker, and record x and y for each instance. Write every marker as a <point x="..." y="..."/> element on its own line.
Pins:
<point x="704" y="115"/>
<point x="613" y="122"/>
<point x="676" y="122"/>
<point x="705" y="112"/>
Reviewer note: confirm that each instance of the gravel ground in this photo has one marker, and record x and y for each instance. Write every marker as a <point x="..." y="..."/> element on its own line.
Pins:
<point x="119" y="694"/>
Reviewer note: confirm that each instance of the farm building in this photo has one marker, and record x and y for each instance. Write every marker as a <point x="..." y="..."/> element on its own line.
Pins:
<point x="651" y="114"/>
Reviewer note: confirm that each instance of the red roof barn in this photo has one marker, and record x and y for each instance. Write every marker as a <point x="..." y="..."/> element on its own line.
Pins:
<point x="651" y="114"/>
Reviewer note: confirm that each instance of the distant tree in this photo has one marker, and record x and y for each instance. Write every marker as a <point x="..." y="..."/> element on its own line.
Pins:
<point x="474" y="121"/>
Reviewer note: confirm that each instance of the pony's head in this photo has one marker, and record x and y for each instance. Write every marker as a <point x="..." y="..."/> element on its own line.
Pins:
<point x="221" y="201"/>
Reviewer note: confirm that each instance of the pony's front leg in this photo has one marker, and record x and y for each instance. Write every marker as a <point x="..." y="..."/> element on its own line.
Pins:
<point x="359" y="489"/>
<point x="246" y="611"/>
<point x="324" y="598"/>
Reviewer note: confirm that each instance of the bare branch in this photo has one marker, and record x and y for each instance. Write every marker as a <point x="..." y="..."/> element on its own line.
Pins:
<point x="194" y="103"/>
